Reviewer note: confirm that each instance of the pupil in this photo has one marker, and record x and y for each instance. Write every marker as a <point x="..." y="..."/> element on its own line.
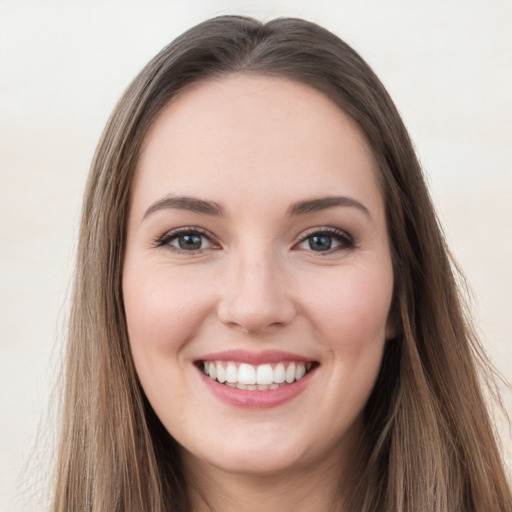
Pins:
<point x="320" y="242"/>
<point x="190" y="242"/>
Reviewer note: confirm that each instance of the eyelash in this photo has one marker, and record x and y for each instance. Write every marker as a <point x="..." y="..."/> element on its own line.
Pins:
<point x="344" y="240"/>
<point x="166" y="239"/>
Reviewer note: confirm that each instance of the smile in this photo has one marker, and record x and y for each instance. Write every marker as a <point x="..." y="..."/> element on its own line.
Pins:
<point x="263" y="377"/>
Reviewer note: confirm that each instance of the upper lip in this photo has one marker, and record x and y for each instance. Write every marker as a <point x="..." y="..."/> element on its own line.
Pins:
<point x="255" y="358"/>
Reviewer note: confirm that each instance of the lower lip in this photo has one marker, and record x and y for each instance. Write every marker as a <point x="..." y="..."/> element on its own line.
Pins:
<point x="257" y="399"/>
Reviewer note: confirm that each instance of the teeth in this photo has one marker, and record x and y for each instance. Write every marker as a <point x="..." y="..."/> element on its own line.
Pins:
<point x="279" y="374"/>
<point x="249" y="377"/>
<point x="264" y="374"/>
<point x="246" y="374"/>
<point x="290" y="373"/>
<point x="221" y="373"/>
<point x="300" y="371"/>
<point x="232" y="373"/>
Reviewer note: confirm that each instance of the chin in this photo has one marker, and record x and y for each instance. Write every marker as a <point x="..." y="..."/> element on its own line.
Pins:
<point x="260" y="455"/>
<point x="251" y="462"/>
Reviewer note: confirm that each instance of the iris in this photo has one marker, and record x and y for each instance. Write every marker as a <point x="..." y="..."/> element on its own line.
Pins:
<point x="320" y="242"/>
<point x="190" y="242"/>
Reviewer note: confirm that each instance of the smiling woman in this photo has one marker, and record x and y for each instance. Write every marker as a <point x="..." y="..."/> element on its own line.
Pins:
<point x="272" y="298"/>
<point x="265" y="315"/>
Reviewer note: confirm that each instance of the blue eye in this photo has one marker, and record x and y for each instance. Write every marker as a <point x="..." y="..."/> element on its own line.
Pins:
<point x="320" y="242"/>
<point x="326" y="240"/>
<point x="185" y="240"/>
<point x="188" y="242"/>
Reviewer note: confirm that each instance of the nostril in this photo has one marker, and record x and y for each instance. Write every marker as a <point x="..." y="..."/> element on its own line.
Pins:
<point x="254" y="314"/>
<point x="254" y="327"/>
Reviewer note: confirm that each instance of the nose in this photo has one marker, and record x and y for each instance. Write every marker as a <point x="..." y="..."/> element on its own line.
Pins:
<point x="255" y="296"/>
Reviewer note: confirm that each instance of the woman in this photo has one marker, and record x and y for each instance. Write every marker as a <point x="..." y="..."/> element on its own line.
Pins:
<point x="265" y="314"/>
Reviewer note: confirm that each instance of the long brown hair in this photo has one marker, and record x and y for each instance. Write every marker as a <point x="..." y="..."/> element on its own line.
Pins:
<point x="428" y="443"/>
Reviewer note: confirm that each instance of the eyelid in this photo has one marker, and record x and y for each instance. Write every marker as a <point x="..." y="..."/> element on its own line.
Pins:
<point x="345" y="239"/>
<point x="163" y="241"/>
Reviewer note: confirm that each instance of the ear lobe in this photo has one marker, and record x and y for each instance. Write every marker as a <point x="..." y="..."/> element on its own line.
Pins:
<point x="390" y="333"/>
<point x="391" y="330"/>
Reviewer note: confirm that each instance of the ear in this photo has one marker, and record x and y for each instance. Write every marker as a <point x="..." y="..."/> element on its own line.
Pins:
<point x="391" y="325"/>
<point x="390" y="332"/>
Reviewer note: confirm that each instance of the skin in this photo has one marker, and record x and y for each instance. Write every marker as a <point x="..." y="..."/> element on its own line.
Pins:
<point x="255" y="146"/>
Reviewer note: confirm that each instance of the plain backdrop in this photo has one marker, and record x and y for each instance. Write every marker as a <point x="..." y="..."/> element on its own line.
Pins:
<point x="63" y="65"/>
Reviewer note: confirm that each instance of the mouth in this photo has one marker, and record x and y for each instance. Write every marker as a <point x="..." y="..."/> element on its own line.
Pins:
<point x="252" y="377"/>
<point x="261" y="380"/>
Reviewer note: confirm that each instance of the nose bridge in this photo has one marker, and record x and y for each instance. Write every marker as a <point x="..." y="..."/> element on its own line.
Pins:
<point x="255" y="295"/>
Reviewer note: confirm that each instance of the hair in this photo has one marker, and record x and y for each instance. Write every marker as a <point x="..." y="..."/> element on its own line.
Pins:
<point x="428" y="442"/>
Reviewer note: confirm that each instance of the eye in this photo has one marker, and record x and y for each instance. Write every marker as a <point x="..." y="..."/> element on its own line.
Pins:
<point x="190" y="242"/>
<point x="325" y="240"/>
<point x="186" y="241"/>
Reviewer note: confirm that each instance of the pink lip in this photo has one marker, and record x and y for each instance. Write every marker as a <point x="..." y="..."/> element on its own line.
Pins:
<point x="255" y="358"/>
<point x="256" y="399"/>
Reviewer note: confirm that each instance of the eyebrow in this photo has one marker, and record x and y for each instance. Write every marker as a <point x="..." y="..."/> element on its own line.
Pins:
<point x="190" y="204"/>
<point x="195" y="205"/>
<point x="322" y="203"/>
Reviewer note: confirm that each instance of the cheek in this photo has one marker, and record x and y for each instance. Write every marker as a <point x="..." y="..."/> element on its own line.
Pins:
<point x="352" y="308"/>
<point x="163" y="310"/>
<point x="162" y="315"/>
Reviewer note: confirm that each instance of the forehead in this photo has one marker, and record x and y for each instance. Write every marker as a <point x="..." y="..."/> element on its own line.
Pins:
<point x="245" y="132"/>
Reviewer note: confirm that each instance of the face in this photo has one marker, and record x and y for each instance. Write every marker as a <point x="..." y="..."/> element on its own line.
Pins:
<point x="257" y="278"/>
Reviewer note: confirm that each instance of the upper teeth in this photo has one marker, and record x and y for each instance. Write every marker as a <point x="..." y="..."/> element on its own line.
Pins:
<point x="248" y="374"/>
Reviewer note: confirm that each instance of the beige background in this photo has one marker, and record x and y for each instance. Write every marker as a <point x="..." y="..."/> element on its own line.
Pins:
<point x="447" y="64"/>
